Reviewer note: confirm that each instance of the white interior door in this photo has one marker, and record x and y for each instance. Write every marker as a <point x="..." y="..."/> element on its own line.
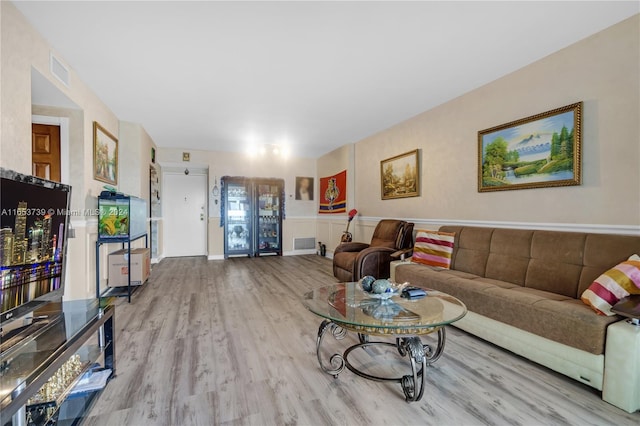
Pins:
<point x="184" y="214"/>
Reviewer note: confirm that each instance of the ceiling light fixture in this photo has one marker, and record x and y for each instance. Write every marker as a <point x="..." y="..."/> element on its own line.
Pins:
<point x="269" y="150"/>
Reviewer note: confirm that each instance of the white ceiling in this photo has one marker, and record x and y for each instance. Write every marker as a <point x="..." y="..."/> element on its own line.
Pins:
<point x="310" y="75"/>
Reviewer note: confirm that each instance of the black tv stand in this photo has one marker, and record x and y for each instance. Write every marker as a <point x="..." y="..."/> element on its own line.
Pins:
<point x="81" y="334"/>
<point x="15" y="336"/>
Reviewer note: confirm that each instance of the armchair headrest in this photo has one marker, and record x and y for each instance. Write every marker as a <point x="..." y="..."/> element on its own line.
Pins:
<point x="390" y="233"/>
<point x="405" y="238"/>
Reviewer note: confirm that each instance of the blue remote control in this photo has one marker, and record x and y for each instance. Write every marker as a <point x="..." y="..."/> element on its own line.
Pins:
<point x="413" y="293"/>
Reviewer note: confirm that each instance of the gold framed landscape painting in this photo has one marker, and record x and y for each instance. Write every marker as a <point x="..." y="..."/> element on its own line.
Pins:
<point x="400" y="176"/>
<point x="540" y="151"/>
<point x="105" y="155"/>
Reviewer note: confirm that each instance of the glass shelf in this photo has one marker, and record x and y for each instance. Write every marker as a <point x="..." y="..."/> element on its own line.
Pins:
<point x="78" y="338"/>
<point x="253" y="213"/>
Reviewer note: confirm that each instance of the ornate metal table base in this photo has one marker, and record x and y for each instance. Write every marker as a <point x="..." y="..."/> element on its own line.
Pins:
<point x="419" y="354"/>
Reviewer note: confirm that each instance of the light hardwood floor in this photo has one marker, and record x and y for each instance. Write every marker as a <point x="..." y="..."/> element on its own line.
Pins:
<point x="229" y="342"/>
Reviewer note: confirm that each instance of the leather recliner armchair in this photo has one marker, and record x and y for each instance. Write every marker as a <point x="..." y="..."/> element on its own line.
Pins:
<point x="352" y="261"/>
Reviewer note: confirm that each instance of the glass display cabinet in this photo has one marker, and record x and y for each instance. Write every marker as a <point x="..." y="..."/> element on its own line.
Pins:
<point x="269" y="223"/>
<point x="252" y="210"/>
<point x="238" y="224"/>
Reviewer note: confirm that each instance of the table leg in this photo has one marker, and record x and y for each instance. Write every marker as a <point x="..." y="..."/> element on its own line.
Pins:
<point x="432" y="354"/>
<point x="336" y="361"/>
<point x="413" y="389"/>
<point x="420" y="355"/>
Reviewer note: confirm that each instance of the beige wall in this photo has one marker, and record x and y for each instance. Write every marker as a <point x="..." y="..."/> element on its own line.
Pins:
<point x="602" y="71"/>
<point x="134" y="147"/>
<point x="21" y="50"/>
<point x="300" y="215"/>
<point x="134" y="159"/>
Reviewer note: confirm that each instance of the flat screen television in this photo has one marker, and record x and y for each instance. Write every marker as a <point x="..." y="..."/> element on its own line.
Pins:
<point x="33" y="237"/>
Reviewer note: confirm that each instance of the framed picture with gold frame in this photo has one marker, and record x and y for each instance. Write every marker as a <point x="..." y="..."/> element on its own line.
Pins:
<point x="540" y="151"/>
<point x="400" y="176"/>
<point x="105" y="155"/>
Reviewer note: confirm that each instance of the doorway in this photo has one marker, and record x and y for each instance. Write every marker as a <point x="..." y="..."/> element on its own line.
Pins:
<point x="185" y="213"/>
<point x="45" y="151"/>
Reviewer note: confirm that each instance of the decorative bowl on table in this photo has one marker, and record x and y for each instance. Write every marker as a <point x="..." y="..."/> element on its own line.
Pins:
<point x="380" y="289"/>
<point x="384" y="296"/>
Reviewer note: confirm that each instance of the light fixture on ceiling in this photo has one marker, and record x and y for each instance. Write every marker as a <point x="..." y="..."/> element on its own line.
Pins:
<point x="269" y="150"/>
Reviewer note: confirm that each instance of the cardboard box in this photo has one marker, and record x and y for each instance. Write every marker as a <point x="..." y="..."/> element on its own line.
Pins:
<point x="119" y="264"/>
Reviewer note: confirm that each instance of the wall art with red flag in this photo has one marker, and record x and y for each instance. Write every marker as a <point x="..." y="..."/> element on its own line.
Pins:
<point x="333" y="193"/>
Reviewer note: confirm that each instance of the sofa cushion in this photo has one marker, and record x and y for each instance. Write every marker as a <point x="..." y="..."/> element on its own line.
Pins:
<point x="546" y="314"/>
<point x="556" y="262"/>
<point x="496" y="283"/>
<point x="460" y="274"/>
<point x="613" y="285"/>
<point x="509" y="255"/>
<point x="433" y="248"/>
<point x="471" y="249"/>
<point x="568" y="322"/>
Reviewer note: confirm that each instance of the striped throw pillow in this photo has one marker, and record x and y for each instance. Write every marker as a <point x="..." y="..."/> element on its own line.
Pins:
<point x="615" y="284"/>
<point x="433" y="248"/>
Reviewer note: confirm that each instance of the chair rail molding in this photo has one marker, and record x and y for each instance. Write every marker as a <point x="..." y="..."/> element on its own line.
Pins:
<point x="366" y="221"/>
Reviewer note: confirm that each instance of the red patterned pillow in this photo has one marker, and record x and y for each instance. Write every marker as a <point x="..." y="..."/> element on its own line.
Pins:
<point x="615" y="284"/>
<point x="433" y="248"/>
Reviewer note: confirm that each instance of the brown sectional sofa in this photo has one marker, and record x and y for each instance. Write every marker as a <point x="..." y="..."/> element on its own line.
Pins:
<point x="522" y="289"/>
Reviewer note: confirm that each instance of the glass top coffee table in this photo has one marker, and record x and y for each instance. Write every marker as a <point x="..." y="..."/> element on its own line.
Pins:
<point x="346" y="307"/>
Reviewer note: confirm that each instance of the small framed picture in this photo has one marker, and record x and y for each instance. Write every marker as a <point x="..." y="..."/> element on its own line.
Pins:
<point x="304" y="188"/>
<point x="105" y="155"/>
<point x="400" y="176"/>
